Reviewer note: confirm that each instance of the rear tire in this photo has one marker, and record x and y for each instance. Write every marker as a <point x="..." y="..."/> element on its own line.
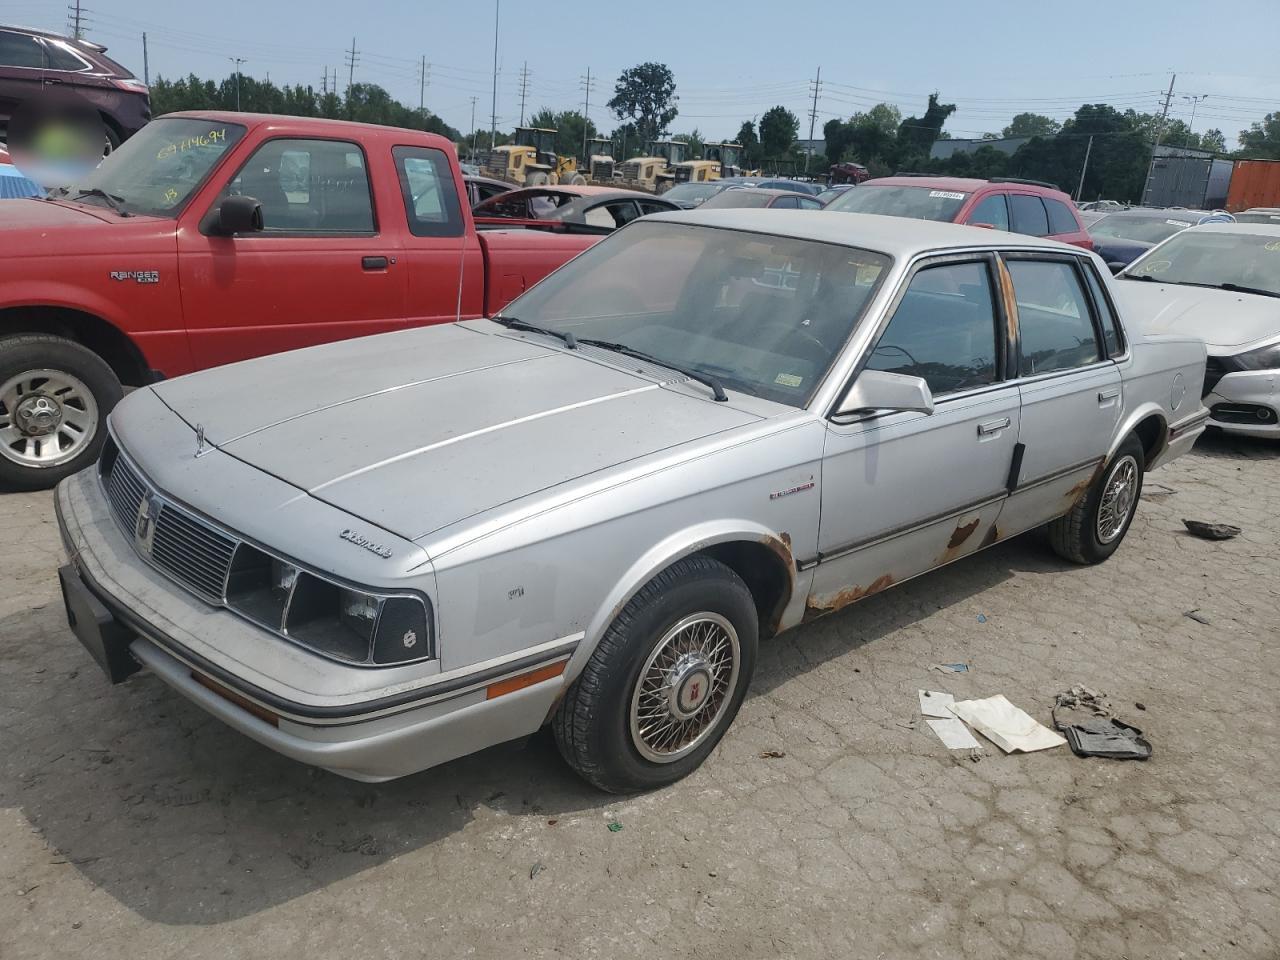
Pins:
<point x="1092" y="531"/>
<point x="665" y="682"/>
<point x="54" y="399"/>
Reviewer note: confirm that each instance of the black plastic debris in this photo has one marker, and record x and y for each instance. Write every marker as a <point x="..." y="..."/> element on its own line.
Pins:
<point x="1211" y="531"/>
<point x="1084" y="717"/>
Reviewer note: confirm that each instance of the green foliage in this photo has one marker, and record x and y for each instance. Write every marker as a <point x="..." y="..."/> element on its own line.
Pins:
<point x="778" y="130"/>
<point x="645" y="95"/>
<point x="750" y="145"/>
<point x="1262" y="140"/>
<point x="568" y="126"/>
<point x="695" y="141"/>
<point x="916" y="134"/>
<point x="1031" y="125"/>
<point x="365" y="102"/>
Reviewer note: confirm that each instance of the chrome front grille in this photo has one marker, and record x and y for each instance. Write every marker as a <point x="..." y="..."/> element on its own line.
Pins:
<point x="185" y="547"/>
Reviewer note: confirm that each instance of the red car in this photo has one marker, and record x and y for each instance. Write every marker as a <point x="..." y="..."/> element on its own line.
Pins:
<point x="1004" y="203"/>
<point x="212" y="237"/>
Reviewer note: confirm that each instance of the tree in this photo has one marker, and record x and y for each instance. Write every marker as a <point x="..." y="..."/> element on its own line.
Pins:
<point x="778" y="130"/>
<point x="750" y="144"/>
<point x="916" y="134"/>
<point x="1262" y="140"/>
<point x="568" y="125"/>
<point x="695" y="141"/>
<point x="865" y="137"/>
<point x="1212" y="139"/>
<point x="645" y="95"/>
<point x="1031" y="125"/>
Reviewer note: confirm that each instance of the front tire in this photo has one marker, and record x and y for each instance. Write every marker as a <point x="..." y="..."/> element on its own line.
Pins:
<point x="665" y="682"/>
<point x="1092" y="531"/>
<point x="54" y="399"/>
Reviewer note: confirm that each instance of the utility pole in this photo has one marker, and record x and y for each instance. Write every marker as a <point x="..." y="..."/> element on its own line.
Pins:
<point x="146" y="69"/>
<point x="1195" y="102"/>
<point x="474" y="131"/>
<point x="1087" y="150"/>
<point x="1164" y="114"/>
<point x="352" y="57"/>
<point x="493" y="116"/>
<point x="586" y="114"/>
<point x="76" y="20"/>
<point x="424" y="77"/>
<point x="813" y="118"/>
<point x="524" y="88"/>
<point x="324" y="81"/>
<point x="237" y="61"/>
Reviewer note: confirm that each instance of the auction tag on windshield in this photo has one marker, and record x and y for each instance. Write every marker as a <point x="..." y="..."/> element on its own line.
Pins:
<point x="946" y="195"/>
<point x="1178" y="223"/>
<point x="788" y="380"/>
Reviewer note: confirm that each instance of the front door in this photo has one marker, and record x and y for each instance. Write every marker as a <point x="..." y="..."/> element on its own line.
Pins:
<point x="1070" y="388"/>
<point x="321" y="269"/>
<point x="905" y="492"/>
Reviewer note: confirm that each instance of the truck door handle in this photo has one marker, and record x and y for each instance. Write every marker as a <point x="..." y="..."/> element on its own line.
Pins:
<point x="992" y="426"/>
<point x="374" y="263"/>
<point x="1111" y="394"/>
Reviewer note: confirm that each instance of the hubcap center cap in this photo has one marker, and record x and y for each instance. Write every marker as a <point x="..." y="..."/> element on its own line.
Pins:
<point x="690" y="683"/>
<point x="38" y="416"/>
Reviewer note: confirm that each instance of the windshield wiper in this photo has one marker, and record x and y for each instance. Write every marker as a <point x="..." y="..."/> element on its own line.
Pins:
<point x="114" y="202"/>
<point x="1238" y="288"/>
<point x="691" y="372"/>
<point x="515" y="323"/>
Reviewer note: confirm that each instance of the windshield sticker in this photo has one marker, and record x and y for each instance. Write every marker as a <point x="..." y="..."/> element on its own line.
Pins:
<point x="171" y="196"/>
<point x="788" y="380"/>
<point x="212" y="138"/>
<point x="946" y="195"/>
<point x="1178" y="223"/>
<point x="1156" y="266"/>
<point x="1272" y="247"/>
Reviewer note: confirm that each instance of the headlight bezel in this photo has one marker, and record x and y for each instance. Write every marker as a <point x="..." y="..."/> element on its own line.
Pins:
<point x="1260" y="358"/>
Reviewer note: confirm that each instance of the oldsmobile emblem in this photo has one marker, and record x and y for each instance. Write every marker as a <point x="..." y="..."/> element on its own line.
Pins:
<point x="361" y="541"/>
<point x="144" y="527"/>
<point x="409" y="639"/>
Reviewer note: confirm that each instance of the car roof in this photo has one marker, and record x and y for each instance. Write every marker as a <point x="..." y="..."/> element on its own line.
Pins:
<point x="964" y="184"/>
<point x="285" y="122"/>
<point x="896" y="236"/>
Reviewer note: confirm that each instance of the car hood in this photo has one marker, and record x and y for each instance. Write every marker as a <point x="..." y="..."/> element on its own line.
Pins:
<point x="31" y="214"/>
<point x="1225" y="321"/>
<point x="418" y="430"/>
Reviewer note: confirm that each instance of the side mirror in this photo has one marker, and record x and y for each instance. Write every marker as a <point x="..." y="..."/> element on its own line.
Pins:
<point x="1115" y="266"/>
<point x="877" y="390"/>
<point x="238" y="215"/>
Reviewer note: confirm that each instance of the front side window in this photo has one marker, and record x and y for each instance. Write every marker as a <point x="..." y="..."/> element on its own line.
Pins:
<point x="308" y="186"/>
<point x="1055" y="326"/>
<point x="429" y="193"/>
<point x="1028" y="216"/>
<point x="918" y="203"/>
<point x="18" y="50"/>
<point x="992" y="210"/>
<point x="766" y="315"/>
<point x="943" y="330"/>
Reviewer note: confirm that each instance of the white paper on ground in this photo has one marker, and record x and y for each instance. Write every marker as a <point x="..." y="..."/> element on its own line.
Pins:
<point x="1005" y="725"/>
<point x="935" y="708"/>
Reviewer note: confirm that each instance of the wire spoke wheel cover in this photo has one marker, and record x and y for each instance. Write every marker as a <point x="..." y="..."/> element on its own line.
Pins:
<point x="1118" y="498"/>
<point x="47" y="417"/>
<point x="685" y="687"/>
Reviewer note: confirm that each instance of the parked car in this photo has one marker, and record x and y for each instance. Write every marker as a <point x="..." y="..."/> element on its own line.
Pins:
<point x="1022" y="206"/>
<point x="14" y="184"/>
<point x="214" y="237"/>
<point x="33" y="62"/>
<point x="480" y="189"/>
<point x="687" y="196"/>
<point x="1123" y="236"/>
<point x="1220" y="282"/>
<point x="833" y="191"/>
<point x="600" y="209"/>
<point x="379" y="555"/>
<point x="1106" y="206"/>
<point x="1259" y="215"/>
<point x="797" y="186"/>
<point x="761" y="197"/>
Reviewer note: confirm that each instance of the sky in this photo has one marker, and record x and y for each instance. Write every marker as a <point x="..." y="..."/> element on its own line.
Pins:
<point x="731" y="62"/>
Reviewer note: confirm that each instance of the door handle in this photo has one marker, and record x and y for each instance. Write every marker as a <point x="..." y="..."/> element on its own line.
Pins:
<point x="992" y="426"/>
<point x="374" y="263"/>
<point x="1111" y="394"/>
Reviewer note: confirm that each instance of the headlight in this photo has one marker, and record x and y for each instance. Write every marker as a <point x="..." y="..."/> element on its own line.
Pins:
<point x="1264" y="358"/>
<point x="336" y="620"/>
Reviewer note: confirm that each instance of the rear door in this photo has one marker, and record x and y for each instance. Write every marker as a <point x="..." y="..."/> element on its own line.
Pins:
<point x="324" y="268"/>
<point x="1070" y="387"/>
<point x="21" y="71"/>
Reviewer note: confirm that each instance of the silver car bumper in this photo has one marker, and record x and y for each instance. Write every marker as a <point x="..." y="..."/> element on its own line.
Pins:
<point x="1244" y="394"/>
<point x="116" y="600"/>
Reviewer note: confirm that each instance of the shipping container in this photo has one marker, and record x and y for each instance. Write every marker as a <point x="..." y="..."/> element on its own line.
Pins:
<point x="1254" y="183"/>
<point x="1197" y="183"/>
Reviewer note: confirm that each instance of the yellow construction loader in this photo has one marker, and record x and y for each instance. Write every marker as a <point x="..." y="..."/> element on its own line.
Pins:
<point x="656" y="169"/>
<point x="531" y="160"/>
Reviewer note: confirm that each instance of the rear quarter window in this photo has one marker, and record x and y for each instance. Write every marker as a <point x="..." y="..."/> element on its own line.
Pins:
<point x="1061" y="220"/>
<point x="1027" y="214"/>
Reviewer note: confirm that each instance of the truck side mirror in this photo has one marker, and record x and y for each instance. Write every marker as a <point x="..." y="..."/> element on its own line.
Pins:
<point x="238" y="215"/>
<point x="879" y="390"/>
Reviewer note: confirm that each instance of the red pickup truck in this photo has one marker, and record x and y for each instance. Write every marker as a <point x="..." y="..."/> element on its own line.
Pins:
<point x="213" y="237"/>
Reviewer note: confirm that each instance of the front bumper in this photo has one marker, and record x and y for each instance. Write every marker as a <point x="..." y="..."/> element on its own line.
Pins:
<point x="125" y="612"/>
<point x="1242" y="392"/>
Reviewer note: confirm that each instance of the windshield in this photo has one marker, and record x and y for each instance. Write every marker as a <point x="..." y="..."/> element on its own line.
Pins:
<point x="692" y="192"/>
<point x="1143" y="229"/>
<point x="1254" y="217"/>
<point x="160" y="166"/>
<point x="738" y="198"/>
<point x="918" y="203"/>
<point x="1209" y="258"/>
<point x="765" y="315"/>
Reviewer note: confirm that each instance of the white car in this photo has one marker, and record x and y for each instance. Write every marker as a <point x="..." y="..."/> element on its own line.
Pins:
<point x="1219" y="282"/>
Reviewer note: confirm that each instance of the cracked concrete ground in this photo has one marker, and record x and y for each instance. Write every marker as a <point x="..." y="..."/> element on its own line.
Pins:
<point x="133" y="825"/>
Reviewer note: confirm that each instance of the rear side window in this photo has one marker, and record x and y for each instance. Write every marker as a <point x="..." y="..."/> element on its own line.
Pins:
<point x="1027" y="214"/>
<point x="809" y="203"/>
<point x="429" y="194"/>
<point x="58" y="58"/>
<point x="1055" y="326"/>
<point x="1110" y="331"/>
<point x="944" y="329"/>
<point x="1061" y="220"/>
<point x="17" y="50"/>
<point x="992" y="210"/>
<point x="786" y="203"/>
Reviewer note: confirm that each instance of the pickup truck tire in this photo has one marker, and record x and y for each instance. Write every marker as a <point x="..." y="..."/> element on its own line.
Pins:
<point x="54" y="399"/>
<point x="1094" y="527"/>
<point x="665" y="682"/>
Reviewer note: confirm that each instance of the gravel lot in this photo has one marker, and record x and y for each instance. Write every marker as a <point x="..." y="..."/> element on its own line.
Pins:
<point x="132" y="825"/>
